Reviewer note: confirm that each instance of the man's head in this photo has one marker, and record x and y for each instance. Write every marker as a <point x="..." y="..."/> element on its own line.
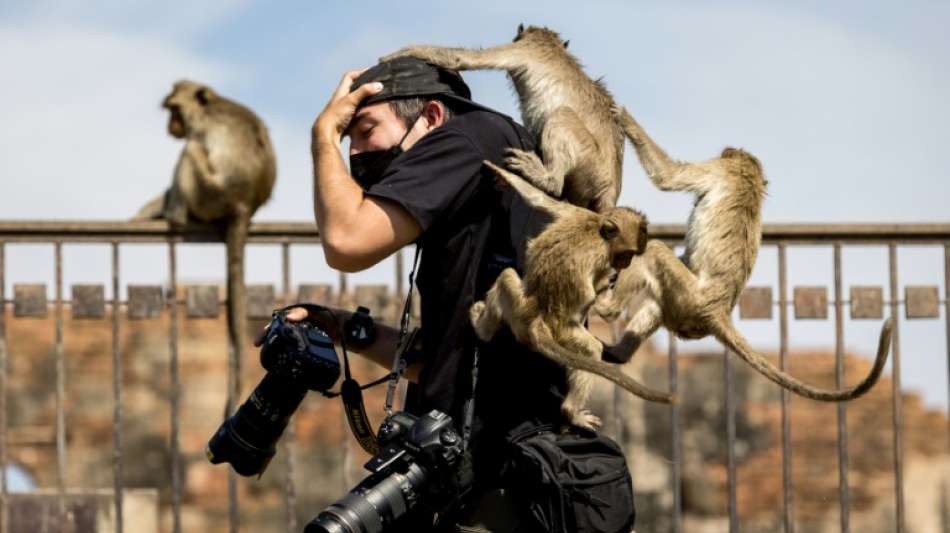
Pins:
<point x="382" y="125"/>
<point x="416" y="98"/>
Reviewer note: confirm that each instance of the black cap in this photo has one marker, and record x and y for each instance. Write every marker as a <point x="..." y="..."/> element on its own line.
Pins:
<point x="408" y="77"/>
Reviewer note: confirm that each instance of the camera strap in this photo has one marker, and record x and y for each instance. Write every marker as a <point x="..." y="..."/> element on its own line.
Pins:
<point x="469" y="412"/>
<point x="405" y="341"/>
<point x="351" y="392"/>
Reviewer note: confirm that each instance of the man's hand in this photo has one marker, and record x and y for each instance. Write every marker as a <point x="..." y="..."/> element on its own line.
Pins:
<point x="336" y="116"/>
<point x="298" y="314"/>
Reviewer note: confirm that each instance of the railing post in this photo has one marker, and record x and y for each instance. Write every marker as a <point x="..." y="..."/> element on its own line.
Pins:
<point x="290" y="448"/>
<point x="61" y="470"/>
<point x="844" y="492"/>
<point x="116" y="393"/>
<point x="946" y="316"/>
<point x="175" y="385"/>
<point x="4" y="503"/>
<point x="896" y="397"/>
<point x="787" y="502"/>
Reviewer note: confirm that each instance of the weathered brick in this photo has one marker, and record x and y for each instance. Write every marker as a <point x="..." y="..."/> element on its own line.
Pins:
<point x="89" y="301"/>
<point x="811" y="303"/>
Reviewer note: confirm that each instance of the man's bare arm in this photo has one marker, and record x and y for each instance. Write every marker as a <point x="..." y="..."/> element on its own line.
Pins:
<point x="356" y="232"/>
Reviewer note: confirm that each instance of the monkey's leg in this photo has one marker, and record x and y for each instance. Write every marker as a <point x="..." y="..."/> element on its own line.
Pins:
<point x="662" y="276"/>
<point x="175" y="209"/>
<point x="502" y="57"/>
<point x="487" y="315"/>
<point x="153" y="209"/>
<point x="608" y="305"/>
<point x="644" y="322"/>
<point x="564" y="141"/>
<point x="666" y="173"/>
<point x="573" y="406"/>
<point x="580" y="382"/>
<point x="504" y="302"/>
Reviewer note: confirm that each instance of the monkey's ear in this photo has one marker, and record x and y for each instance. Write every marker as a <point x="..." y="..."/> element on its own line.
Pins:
<point x="642" y="237"/>
<point x="566" y="43"/>
<point x="520" y="29"/>
<point x="609" y="230"/>
<point x="203" y="95"/>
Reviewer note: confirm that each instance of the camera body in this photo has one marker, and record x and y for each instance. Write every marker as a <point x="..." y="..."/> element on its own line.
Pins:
<point x="421" y="461"/>
<point x="300" y="353"/>
<point x="298" y="357"/>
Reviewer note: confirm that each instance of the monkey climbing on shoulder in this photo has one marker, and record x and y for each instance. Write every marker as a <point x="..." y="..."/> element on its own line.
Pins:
<point x="568" y="112"/>
<point x="567" y="265"/>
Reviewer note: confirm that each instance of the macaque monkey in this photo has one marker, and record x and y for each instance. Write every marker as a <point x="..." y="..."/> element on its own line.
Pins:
<point x="567" y="265"/>
<point x="568" y="112"/>
<point x="225" y="172"/>
<point x="693" y="296"/>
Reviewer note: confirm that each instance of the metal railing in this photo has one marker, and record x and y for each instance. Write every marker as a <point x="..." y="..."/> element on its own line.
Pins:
<point x="754" y="304"/>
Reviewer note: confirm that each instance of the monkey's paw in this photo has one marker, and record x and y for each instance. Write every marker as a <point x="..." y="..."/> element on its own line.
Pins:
<point x="476" y="312"/>
<point x="587" y="420"/>
<point x="532" y="169"/>
<point x="477" y="315"/>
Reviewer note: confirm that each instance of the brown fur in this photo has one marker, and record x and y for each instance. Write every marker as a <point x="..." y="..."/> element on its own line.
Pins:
<point x="567" y="265"/>
<point x="225" y="173"/>
<point x="567" y="111"/>
<point x="693" y="296"/>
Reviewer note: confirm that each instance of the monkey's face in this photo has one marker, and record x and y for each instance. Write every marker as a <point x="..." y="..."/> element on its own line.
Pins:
<point x="625" y="232"/>
<point x="183" y="103"/>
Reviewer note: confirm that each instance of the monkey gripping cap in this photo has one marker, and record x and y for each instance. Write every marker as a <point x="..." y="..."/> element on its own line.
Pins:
<point x="408" y="77"/>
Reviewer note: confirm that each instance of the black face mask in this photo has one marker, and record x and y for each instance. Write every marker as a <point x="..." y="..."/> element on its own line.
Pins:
<point x="367" y="168"/>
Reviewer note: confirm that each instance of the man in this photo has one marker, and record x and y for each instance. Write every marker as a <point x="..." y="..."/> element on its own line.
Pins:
<point x="417" y="143"/>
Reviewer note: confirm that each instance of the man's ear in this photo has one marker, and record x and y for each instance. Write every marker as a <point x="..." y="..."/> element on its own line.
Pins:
<point x="434" y="113"/>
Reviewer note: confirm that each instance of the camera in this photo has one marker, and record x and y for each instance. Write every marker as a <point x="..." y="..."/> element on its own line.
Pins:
<point x="421" y="462"/>
<point x="298" y="357"/>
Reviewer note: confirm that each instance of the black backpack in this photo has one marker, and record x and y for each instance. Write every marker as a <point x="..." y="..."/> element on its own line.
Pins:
<point x="571" y="482"/>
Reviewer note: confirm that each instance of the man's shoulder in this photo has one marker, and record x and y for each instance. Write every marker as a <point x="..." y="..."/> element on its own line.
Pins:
<point x="480" y="119"/>
<point x="487" y="130"/>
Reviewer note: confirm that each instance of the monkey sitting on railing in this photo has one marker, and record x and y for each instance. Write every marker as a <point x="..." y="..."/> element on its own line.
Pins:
<point x="226" y="171"/>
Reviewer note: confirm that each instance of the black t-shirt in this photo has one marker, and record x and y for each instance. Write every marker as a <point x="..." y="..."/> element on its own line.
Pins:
<point x="470" y="232"/>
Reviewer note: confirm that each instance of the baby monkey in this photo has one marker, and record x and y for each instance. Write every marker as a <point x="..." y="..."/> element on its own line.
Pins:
<point x="693" y="296"/>
<point x="567" y="265"/>
<point x="567" y="111"/>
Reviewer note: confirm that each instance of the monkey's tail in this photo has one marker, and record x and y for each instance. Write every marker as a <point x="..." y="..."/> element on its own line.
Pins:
<point x="727" y="334"/>
<point x="631" y="128"/>
<point x="549" y="347"/>
<point x="235" y="239"/>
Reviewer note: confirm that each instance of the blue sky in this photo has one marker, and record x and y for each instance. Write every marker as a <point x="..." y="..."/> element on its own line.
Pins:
<point x="844" y="102"/>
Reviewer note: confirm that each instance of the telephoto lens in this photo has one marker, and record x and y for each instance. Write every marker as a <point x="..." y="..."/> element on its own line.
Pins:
<point x="298" y="357"/>
<point x="248" y="439"/>
<point x="373" y="505"/>
<point x="420" y="463"/>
